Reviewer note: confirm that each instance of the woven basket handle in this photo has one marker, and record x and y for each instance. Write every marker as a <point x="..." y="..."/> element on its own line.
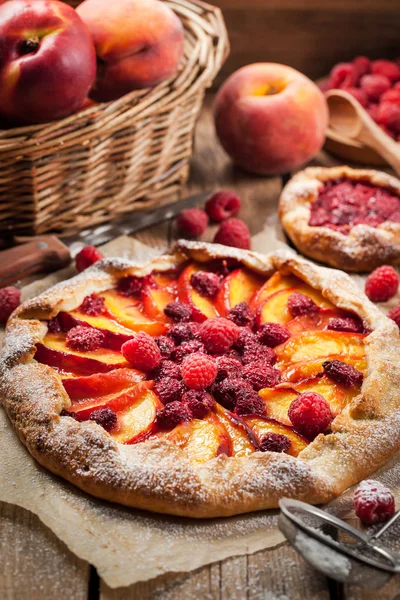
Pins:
<point x="45" y="253"/>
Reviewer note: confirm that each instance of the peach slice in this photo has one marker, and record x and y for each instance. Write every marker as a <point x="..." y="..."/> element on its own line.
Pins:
<point x="312" y="322"/>
<point x="202" y="307"/>
<point x="315" y="344"/>
<point x="239" y="433"/>
<point x="275" y="283"/>
<point x="274" y="310"/>
<point x="55" y="353"/>
<point x="128" y="312"/>
<point x="137" y="421"/>
<point x="202" y="439"/>
<point x="115" y="335"/>
<point x="311" y="368"/>
<point x="155" y="299"/>
<point x="338" y="396"/>
<point x="277" y="402"/>
<point x="262" y="426"/>
<point x="97" y="385"/>
<point x="117" y="401"/>
<point x="238" y="286"/>
<point x="279" y="283"/>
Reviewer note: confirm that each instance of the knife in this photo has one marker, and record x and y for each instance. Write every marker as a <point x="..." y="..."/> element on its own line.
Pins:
<point x="131" y="223"/>
<point x="48" y="253"/>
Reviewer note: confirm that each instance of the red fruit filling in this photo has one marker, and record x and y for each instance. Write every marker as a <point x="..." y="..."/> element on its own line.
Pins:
<point x="172" y="415"/>
<point x="84" y="339"/>
<point x="346" y="324"/>
<point x="93" y="305"/>
<point x="274" y="442"/>
<point x="342" y="373"/>
<point x="169" y="390"/>
<point x="273" y="334"/>
<point x="242" y="315"/>
<point x="187" y="348"/>
<point x="300" y="304"/>
<point x="200" y="403"/>
<point x="130" y="286"/>
<point x="342" y="204"/>
<point x="257" y="353"/>
<point x="166" y="345"/>
<point x="178" y="311"/>
<point x="182" y="332"/>
<point x="207" y="284"/>
<point x="166" y="368"/>
<point x="261" y="375"/>
<point x="106" y="417"/>
<point x="228" y="366"/>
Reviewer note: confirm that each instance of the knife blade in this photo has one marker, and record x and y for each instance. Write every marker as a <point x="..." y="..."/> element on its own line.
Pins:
<point x="131" y="223"/>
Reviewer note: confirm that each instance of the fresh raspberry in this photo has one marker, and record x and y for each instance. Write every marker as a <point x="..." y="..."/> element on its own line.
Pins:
<point x="310" y="414"/>
<point x="93" y="305"/>
<point x="374" y="86"/>
<point x="261" y="375"/>
<point x="242" y="315"/>
<point x="389" y="115"/>
<point x="339" y="74"/>
<point x="84" y="339"/>
<point x="222" y="205"/>
<point x="343" y="373"/>
<point x="373" y="502"/>
<point x="54" y="325"/>
<point x="250" y="403"/>
<point x="346" y="324"/>
<point x="10" y="298"/>
<point x="246" y="338"/>
<point x="200" y="403"/>
<point x="198" y="371"/>
<point x="106" y="417"/>
<point x="359" y="95"/>
<point x="178" y="311"/>
<point x="166" y="345"/>
<point x="169" y="390"/>
<point x="362" y="65"/>
<point x="142" y="352"/>
<point x="227" y="367"/>
<point x="218" y="334"/>
<point x="382" y="284"/>
<point x="87" y="257"/>
<point x="172" y="415"/>
<point x="207" y="284"/>
<point x="274" y="442"/>
<point x="192" y="222"/>
<point x="187" y="348"/>
<point x="228" y="391"/>
<point x="387" y="68"/>
<point x="394" y="314"/>
<point x="130" y="286"/>
<point x="372" y="110"/>
<point x="166" y="368"/>
<point x="273" y="334"/>
<point x="182" y="332"/>
<point x="300" y="304"/>
<point x="233" y="232"/>
<point x="392" y="95"/>
<point x="257" y="353"/>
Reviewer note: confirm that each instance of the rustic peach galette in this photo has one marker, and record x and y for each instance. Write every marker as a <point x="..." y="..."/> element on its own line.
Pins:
<point x="209" y="382"/>
<point x="343" y="217"/>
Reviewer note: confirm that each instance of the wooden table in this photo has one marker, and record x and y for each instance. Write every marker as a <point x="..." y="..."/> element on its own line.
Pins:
<point x="35" y="565"/>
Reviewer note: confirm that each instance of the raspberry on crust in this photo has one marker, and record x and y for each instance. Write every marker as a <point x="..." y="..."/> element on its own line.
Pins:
<point x="155" y="474"/>
<point x="364" y="247"/>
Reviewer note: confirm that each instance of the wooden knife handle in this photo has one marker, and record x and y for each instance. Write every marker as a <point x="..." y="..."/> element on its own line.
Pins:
<point x="42" y="254"/>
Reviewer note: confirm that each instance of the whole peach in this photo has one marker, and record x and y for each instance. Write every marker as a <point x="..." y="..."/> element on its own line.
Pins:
<point x="47" y="61"/>
<point x="139" y="43"/>
<point x="270" y="118"/>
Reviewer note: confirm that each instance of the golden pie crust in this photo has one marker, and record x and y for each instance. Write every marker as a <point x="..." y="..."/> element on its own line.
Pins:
<point x="364" y="248"/>
<point x="155" y="475"/>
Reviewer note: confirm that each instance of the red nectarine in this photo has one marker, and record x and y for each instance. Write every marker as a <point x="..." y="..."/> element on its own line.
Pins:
<point x="47" y="61"/>
<point x="139" y="43"/>
<point x="270" y="118"/>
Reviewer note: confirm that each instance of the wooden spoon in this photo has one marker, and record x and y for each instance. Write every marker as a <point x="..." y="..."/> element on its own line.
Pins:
<point x="348" y="119"/>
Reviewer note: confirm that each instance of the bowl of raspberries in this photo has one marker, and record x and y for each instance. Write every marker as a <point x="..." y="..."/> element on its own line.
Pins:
<point x="375" y="84"/>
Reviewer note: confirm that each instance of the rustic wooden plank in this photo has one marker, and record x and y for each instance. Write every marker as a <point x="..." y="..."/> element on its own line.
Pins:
<point x="296" y="33"/>
<point x="34" y="563"/>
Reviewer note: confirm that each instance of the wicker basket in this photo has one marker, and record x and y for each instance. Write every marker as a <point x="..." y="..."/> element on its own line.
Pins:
<point x="117" y="157"/>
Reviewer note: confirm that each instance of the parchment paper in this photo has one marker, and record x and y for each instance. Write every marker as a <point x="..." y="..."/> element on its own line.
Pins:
<point x="126" y="545"/>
